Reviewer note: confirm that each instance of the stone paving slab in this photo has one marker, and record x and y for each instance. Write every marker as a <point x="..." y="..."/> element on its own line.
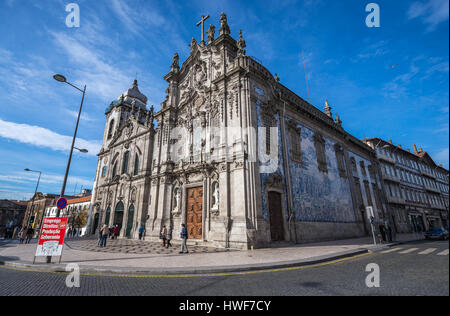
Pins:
<point x="135" y="246"/>
<point x="21" y="256"/>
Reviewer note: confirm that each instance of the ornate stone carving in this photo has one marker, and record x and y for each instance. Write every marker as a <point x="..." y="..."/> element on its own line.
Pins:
<point x="274" y="181"/>
<point x="241" y="45"/>
<point x="193" y="46"/>
<point x="211" y="32"/>
<point x="175" y="67"/>
<point x="224" y="28"/>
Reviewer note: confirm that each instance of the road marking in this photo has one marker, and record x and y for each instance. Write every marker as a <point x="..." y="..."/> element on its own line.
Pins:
<point x="443" y="253"/>
<point x="409" y="250"/>
<point x="391" y="250"/>
<point x="428" y="251"/>
<point x="197" y="275"/>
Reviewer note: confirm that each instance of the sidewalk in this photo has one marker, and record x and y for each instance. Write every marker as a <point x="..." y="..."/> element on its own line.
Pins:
<point x="161" y="263"/>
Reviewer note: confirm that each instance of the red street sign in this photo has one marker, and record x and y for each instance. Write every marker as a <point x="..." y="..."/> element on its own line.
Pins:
<point x="62" y="203"/>
<point x="51" y="239"/>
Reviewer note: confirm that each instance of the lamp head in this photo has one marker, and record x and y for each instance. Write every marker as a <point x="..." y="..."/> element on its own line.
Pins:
<point x="59" y="78"/>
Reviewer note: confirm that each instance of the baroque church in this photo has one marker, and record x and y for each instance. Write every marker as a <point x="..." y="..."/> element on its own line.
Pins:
<point x="233" y="154"/>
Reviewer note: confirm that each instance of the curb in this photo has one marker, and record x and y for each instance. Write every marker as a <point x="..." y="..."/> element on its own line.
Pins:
<point x="61" y="268"/>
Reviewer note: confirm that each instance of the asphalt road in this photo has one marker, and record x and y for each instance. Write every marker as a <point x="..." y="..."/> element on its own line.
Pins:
<point x="420" y="268"/>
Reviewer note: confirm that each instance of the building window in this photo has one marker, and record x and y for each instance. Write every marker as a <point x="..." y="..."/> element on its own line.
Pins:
<point x="104" y="172"/>
<point x="268" y="123"/>
<point x="363" y="168"/>
<point x="353" y="163"/>
<point x="295" y="144"/>
<point x="111" y="128"/>
<point x="319" y="144"/>
<point x="114" y="173"/>
<point x="126" y="158"/>
<point x="340" y="160"/>
<point x="136" y="165"/>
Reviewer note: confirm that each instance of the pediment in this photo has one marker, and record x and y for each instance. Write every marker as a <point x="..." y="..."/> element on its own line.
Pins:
<point x="127" y="131"/>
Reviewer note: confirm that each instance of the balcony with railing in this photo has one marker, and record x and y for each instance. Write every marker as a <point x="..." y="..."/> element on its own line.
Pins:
<point x="386" y="158"/>
<point x="430" y="188"/>
<point x="427" y="174"/>
<point x="391" y="178"/>
<point x="395" y="200"/>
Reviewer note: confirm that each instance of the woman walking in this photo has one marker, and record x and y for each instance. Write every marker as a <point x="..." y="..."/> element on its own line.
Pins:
<point x="169" y="237"/>
<point x="163" y="236"/>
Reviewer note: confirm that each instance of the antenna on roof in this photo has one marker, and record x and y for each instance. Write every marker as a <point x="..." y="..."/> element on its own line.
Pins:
<point x="306" y="77"/>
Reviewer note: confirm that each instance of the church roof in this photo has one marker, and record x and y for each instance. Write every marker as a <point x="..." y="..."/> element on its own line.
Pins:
<point x="134" y="93"/>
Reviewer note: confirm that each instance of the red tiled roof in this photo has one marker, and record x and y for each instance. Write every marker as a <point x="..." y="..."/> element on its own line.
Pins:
<point x="80" y="200"/>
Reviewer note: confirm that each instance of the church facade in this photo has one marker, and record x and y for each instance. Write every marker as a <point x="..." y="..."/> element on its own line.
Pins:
<point x="235" y="155"/>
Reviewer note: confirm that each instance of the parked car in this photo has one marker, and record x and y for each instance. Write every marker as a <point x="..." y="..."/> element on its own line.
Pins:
<point x="437" y="233"/>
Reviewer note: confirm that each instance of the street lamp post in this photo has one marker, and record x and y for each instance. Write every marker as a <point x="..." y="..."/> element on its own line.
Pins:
<point x="34" y="196"/>
<point x="63" y="79"/>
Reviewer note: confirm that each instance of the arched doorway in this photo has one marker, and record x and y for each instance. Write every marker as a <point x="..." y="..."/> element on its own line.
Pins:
<point x="96" y="219"/>
<point x="276" y="216"/>
<point x="108" y="214"/>
<point x="118" y="215"/>
<point x="130" y="221"/>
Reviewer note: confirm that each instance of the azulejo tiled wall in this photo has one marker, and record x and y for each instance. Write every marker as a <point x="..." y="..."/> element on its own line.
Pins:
<point x="277" y="164"/>
<point x="319" y="196"/>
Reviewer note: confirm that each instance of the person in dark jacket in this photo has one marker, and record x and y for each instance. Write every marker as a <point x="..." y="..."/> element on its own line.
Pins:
<point x="30" y="233"/>
<point x="141" y="232"/>
<point x="169" y="237"/>
<point x="184" y="237"/>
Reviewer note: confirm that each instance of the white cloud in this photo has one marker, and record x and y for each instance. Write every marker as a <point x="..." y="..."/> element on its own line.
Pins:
<point x="43" y="137"/>
<point x="442" y="157"/>
<point x="431" y="12"/>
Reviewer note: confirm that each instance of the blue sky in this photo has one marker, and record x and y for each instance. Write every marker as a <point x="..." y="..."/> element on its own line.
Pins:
<point x="347" y="62"/>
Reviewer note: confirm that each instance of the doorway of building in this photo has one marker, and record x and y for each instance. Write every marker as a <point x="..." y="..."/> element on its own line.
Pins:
<point x="194" y="213"/>
<point x="276" y="216"/>
<point x="130" y="221"/>
<point x="118" y="215"/>
<point x="96" y="219"/>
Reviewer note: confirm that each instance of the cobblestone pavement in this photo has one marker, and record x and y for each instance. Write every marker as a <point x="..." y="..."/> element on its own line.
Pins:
<point x="134" y="246"/>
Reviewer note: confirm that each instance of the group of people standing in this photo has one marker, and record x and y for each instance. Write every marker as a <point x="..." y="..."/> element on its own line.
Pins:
<point x="165" y="236"/>
<point x="106" y="232"/>
<point x="25" y="235"/>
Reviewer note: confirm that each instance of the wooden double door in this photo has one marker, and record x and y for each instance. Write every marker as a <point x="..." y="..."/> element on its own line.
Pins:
<point x="194" y="213"/>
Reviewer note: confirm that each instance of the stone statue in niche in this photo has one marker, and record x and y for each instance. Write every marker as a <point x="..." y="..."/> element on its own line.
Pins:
<point x="177" y="202"/>
<point x="215" y="198"/>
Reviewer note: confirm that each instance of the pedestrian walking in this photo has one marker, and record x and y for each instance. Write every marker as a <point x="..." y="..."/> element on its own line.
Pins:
<point x="30" y="233"/>
<point x="163" y="236"/>
<point x="15" y="232"/>
<point x="382" y="232"/>
<point x="115" y="231"/>
<point x="22" y="235"/>
<point x="141" y="232"/>
<point x="184" y="237"/>
<point x="104" y="232"/>
<point x="169" y="237"/>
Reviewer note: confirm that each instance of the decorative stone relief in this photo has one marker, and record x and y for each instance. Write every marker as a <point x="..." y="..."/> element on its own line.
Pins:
<point x="215" y="199"/>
